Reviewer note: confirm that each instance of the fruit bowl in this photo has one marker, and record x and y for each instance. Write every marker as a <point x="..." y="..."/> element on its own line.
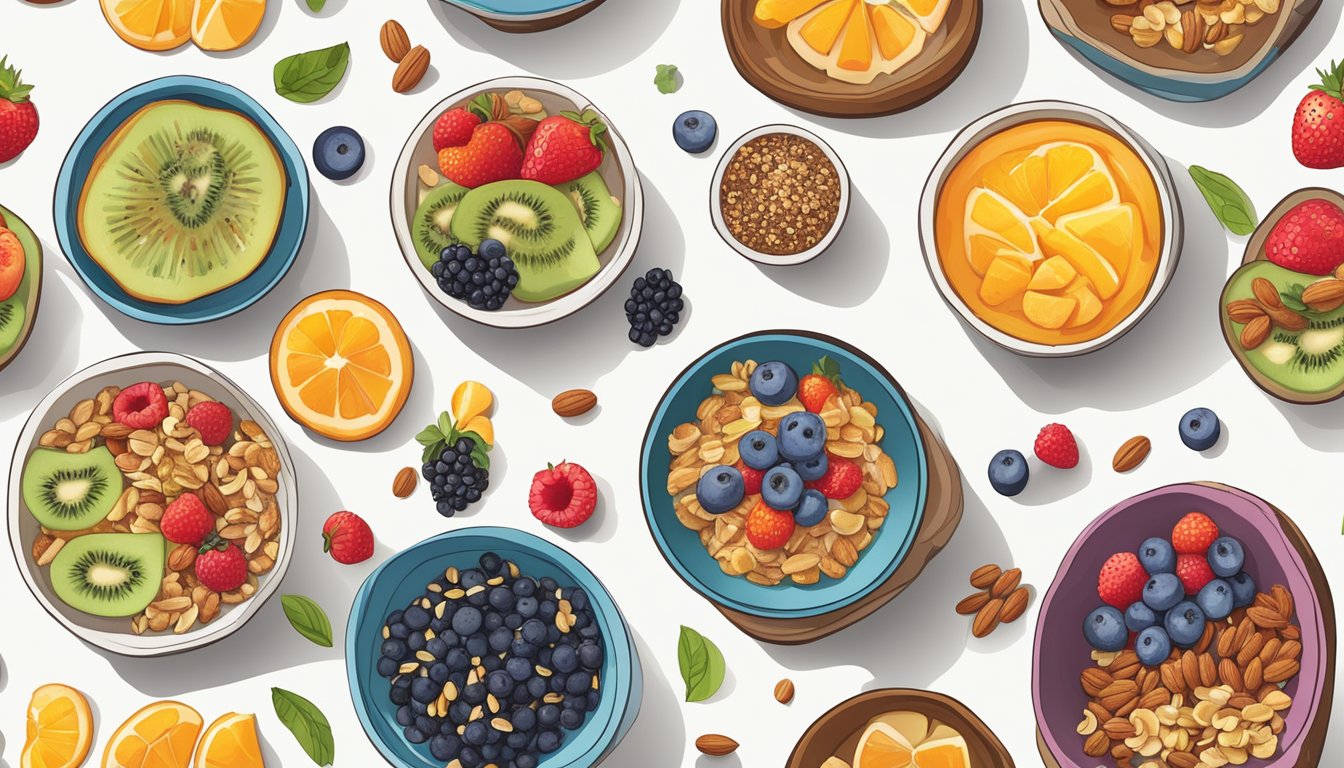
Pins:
<point x="103" y="128"/>
<point x="114" y="634"/>
<point x="526" y="15"/>
<point x="617" y="173"/>
<point x="18" y="313"/>
<point x="1143" y="174"/>
<point x="403" y="577"/>
<point x="1276" y="553"/>
<point x="837" y="732"/>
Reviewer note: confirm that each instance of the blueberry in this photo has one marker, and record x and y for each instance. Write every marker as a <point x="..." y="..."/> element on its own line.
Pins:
<point x="405" y="717"/>
<point x="1163" y="591"/>
<point x="1105" y="630"/>
<point x="524" y="719"/>
<point x="1157" y="555"/>
<point x="525" y="760"/>
<point x="425" y="690"/>
<point x="499" y="683"/>
<point x="773" y="383"/>
<point x="1243" y="589"/>
<point x="534" y="631"/>
<point x="1152" y="646"/>
<point x="812" y="508"/>
<point x="416" y="618"/>
<point x="338" y="152"/>
<point x="720" y="490"/>
<point x="502" y="599"/>
<point x="1185" y="624"/>
<point x="400" y="695"/>
<point x="445" y="746"/>
<point x="527" y="607"/>
<point x="1200" y="429"/>
<point x="814" y="468"/>
<point x="491" y="249"/>
<point x="475" y="733"/>
<point x="1008" y="472"/>
<point x="802" y="436"/>
<point x="467" y="620"/>
<point x="571" y="719"/>
<point x="387" y="666"/>
<point x="1226" y="557"/>
<point x="1139" y="617"/>
<point x="590" y="655"/>
<point x="548" y="715"/>
<point x="782" y="488"/>
<point x="695" y="131"/>
<point x="548" y="741"/>
<point x="578" y="684"/>
<point x="565" y="659"/>
<point x="1216" y="599"/>
<point x="759" y="450"/>
<point x="398" y="630"/>
<point x="415" y="735"/>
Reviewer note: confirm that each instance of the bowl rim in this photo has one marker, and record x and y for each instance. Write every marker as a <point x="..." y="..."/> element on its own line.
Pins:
<point x="558" y="7"/>
<point x="147" y="645"/>
<point x="1173" y="227"/>
<point x="626" y="665"/>
<point x="769" y="260"/>
<point x="36" y="262"/>
<point x="532" y="315"/>
<point x="648" y="446"/>
<point x="163" y="89"/>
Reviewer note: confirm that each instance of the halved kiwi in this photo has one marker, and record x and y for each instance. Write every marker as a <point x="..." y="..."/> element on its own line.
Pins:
<point x="70" y="491"/>
<point x="109" y="574"/>
<point x="12" y="317"/>
<point x="431" y="227"/>
<point x="599" y="211"/>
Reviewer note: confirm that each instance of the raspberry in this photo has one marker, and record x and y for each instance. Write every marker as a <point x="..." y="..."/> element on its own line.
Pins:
<point x="769" y="528"/>
<point x="348" y="538"/>
<point x="140" y="406"/>
<point x="751" y="478"/>
<point x="1194" y="572"/>
<point x="222" y="569"/>
<point x="843" y="478"/>
<point x="1056" y="446"/>
<point x="1194" y="534"/>
<point x="213" y="420"/>
<point x="1121" y="581"/>
<point x="563" y="495"/>
<point x="187" y="521"/>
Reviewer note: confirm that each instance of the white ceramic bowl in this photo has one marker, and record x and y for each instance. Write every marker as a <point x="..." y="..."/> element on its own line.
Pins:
<point x="617" y="169"/>
<point x="114" y="634"/>
<point x="1173" y="228"/>
<point x="716" y="212"/>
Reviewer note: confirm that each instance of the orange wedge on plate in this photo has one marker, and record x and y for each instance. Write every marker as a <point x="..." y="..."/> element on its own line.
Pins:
<point x="882" y="746"/>
<point x="225" y="25"/>
<point x="947" y="752"/>
<point x="162" y="735"/>
<point x="230" y="742"/>
<point x="150" y="25"/>
<point x="341" y="365"/>
<point x="60" y="729"/>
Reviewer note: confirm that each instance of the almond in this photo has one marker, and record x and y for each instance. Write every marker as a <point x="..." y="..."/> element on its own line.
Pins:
<point x="214" y="499"/>
<point x="404" y="483"/>
<point x="784" y="691"/>
<point x="715" y="745"/>
<point x="1014" y="605"/>
<point x="985" y="576"/>
<point x="1131" y="454"/>
<point x="1286" y="318"/>
<point x="1244" y="310"/>
<point x="1182" y="759"/>
<point x="1256" y="333"/>
<point x="1118" y="728"/>
<point x="182" y="557"/>
<point x="987" y="619"/>
<point x="1284" y="599"/>
<point x="972" y="604"/>
<point x="1325" y="295"/>
<point x="1208" y="670"/>
<point x="1281" y="670"/>
<point x="1006" y="583"/>
<point x="1097" y="744"/>
<point x="1253" y="674"/>
<point x="1266" y="293"/>
<point x="1095" y="680"/>
<point x="1266" y="618"/>
<point x="411" y="70"/>
<point x="1121" y="22"/>
<point x="396" y="44"/>
<point x="1230" y="675"/>
<point x="573" y="402"/>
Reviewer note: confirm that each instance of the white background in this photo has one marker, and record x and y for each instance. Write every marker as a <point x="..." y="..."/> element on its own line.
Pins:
<point x="870" y="289"/>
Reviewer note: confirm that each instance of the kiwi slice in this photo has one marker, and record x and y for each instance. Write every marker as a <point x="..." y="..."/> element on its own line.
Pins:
<point x="109" y="574"/>
<point x="70" y="491"/>
<point x="182" y="201"/>
<point x="541" y="230"/>
<point x="1307" y="362"/>
<point x="12" y="316"/>
<point x="599" y="211"/>
<point x="431" y="226"/>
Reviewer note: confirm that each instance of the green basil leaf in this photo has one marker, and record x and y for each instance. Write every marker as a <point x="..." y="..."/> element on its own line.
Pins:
<point x="446" y="426"/>
<point x="666" y="79"/>
<point x="307" y="618"/>
<point x="701" y="663"/>
<point x="307" y="723"/>
<point x="316" y="5"/>
<point x="307" y="77"/>
<point x="429" y="436"/>
<point x="1230" y="204"/>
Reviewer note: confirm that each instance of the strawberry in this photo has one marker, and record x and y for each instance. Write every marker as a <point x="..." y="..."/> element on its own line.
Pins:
<point x="820" y="385"/>
<point x="187" y="521"/>
<point x="1121" y="581"/>
<point x="1318" y="125"/>
<point x="140" y="406"/>
<point x="843" y="478"/>
<point x="565" y="147"/>
<point x="494" y="153"/>
<point x="213" y="420"/>
<point x="348" y="538"/>
<point x="221" y="568"/>
<point x="1056" y="446"/>
<point x="1194" y="572"/>
<point x="13" y="262"/>
<point x="751" y="478"/>
<point x="1308" y="239"/>
<point x="562" y="495"/>
<point x="1194" y="534"/>
<point x="768" y="528"/>
<point x="454" y="128"/>
<point x="18" y="114"/>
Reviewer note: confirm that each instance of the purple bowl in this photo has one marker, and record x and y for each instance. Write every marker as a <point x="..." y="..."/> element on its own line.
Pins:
<point x="1272" y="557"/>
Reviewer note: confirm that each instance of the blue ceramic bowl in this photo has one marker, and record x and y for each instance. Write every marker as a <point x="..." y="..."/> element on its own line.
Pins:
<point x="235" y="298"/>
<point x="681" y="546"/>
<point x="403" y="577"/>
<point x="506" y="8"/>
<point x="1170" y="88"/>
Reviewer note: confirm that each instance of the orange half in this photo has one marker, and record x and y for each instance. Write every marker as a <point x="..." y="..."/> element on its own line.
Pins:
<point x="162" y="735"/>
<point x="882" y="746"/>
<point x="230" y="742"/>
<point x="341" y="365"/>
<point x="150" y="25"/>
<point x="60" y="729"/>
<point x="225" y="25"/>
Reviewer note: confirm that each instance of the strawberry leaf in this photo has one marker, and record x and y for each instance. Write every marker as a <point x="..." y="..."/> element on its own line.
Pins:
<point x="1332" y="80"/>
<point x="828" y="368"/>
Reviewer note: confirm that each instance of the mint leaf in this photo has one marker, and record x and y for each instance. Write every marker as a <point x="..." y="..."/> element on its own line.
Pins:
<point x="1230" y="204"/>
<point x="307" y="723"/>
<point x="701" y="664"/>
<point x="666" y="79"/>
<point x="307" y="77"/>
<point x="307" y="618"/>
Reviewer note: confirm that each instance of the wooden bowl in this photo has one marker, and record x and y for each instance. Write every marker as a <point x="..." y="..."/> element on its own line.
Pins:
<point x="764" y="58"/>
<point x="30" y="287"/>
<point x="533" y="22"/>
<point x="837" y="731"/>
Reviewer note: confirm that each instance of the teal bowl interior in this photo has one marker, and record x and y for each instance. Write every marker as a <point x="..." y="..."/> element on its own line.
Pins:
<point x="403" y="577"/>
<point x="517" y="7"/>
<point x="235" y="298"/>
<point x="681" y="546"/>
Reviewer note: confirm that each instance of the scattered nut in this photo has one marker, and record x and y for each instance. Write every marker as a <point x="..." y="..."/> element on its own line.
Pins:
<point x="411" y="70"/>
<point x="716" y="745"/>
<point x="394" y="40"/>
<point x="784" y="691"/>
<point x="404" y="483"/>
<point x="573" y="402"/>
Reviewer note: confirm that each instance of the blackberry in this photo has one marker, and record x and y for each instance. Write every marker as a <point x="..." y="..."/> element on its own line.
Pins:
<point x="455" y="480"/>
<point x="654" y="307"/>
<point x="483" y="279"/>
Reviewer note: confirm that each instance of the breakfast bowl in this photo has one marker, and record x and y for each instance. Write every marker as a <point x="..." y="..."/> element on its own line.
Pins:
<point x="741" y="187"/>
<point x="87" y="494"/>
<point x="526" y="15"/>
<point x="1287" y="607"/>
<point x="566" y="255"/>
<point x="401" y="582"/>
<point x="18" y="311"/>
<point x="1050" y="269"/>
<point x="211" y="271"/>
<point x="936" y="722"/>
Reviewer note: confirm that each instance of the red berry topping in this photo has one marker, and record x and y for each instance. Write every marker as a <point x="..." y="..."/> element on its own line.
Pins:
<point x="454" y="128"/>
<point x="843" y="478"/>
<point x="187" y="521"/>
<point x="563" y="495"/>
<point x="751" y="478"/>
<point x="1056" y="446"/>
<point x="140" y="406"/>
<point x="348" y="538"/>
<point x="213" y="420"/>
<point x="1121" y="581"/>
<point x="1194" y="572"/>
<point x="222" y="568"/>
<point x="769" y="528"/>
<point x="1309" y="238"/>
<point x="820" y="385"/>
<point x="1194" y="534"/>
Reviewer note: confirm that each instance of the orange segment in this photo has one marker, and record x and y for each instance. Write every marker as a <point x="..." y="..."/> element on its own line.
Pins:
<point x="1085" y="259"/>
<point x="949" y="752"/>
<point x="1095" y="189"/>
<point x="1116" y="232"/>
<point x="882" y="746"/>
<point x="1089" y="306"/>
<point x="151" y="25"/>
<point x="823" y="30"/>
<point x="856" y="49"/>
<point x="225" y="25"/>
<point x="1046" y="310"/>
<point x="471" y="399"/>
<point x="1007" y="277"/>
<point x="1053" y="273"/>
<point x="894" y="32"/>
<point x="929" y="13"/>
<point x="230" y="742"/>
<point x="341" y="365"/>
<point x="162" y="735"/>
<point x="60" y="729"/>
<point x="482" y="426"/>
<point x="988" y="213"/>
<point x="773" y="14"/>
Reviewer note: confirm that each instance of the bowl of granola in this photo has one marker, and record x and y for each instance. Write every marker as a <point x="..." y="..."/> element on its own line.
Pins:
<point x="791" y="535"/>
<point x="152" y="505"/>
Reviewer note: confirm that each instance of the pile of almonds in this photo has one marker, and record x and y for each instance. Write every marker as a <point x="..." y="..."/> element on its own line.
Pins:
<point x="1190" y="26"/>
<point x="1001" y="598"/>
<point x="1260" y="315"/>
<point x="412" y="62"/>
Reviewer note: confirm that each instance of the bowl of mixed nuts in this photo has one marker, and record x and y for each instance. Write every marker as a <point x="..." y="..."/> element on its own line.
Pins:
<point x="152" y="505"/>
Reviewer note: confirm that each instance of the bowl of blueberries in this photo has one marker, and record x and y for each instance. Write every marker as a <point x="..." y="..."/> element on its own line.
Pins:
<point x="490" y="646"/>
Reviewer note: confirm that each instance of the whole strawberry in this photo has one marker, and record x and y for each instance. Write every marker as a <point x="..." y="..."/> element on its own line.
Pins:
<point x="769" y="528"/>
<point x="187" y="521"/>
<point x="843" y="478"/>
<point x="454" y="128"/>
<point x="562" y="495"/>
<point x="494" y="153"/>
<point x="18" y="114"/>
<point x="565" y="147"/>
<point x="1318" y="125"/>
<point x="221" y="568"/>
<point x="1194" y="534"/>
<point x="820" y="385"/>
<point x="1308" y="239"/>
<point x="1056" y="446"/>
<point x="1121" y="580"/>
<point x="751" y="478"/>
<point x="213" y="420"/>
<point x="348" y="538"/>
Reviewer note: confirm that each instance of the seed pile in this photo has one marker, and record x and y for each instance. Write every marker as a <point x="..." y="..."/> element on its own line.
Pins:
<point x="780" y="194"/>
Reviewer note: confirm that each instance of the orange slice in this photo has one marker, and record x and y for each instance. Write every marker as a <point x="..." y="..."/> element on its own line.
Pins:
<point x="230" y="742"/>
<point x="60" y="729"/>
<point x="989" y="213"/>
<point x="948" y="752"/>
<point x="854" y="41"/>
<point x="1083" y="257"/>
<point x="882" y="746"/>
<point x="1048" y="311"/>
<point x="856" y="48"/>
<point x="895" y="33"/>
<point x="150" y="25"/>
<point x="1052" y="274"/>
<point x="225" y="25"/>
<point x="1006" y="278"/>
<point x="341" y="365"/>
<point x="471" y="399"/>
<point x="1089" y="306"/>
<point x="773" y="14"/>
<point x="929" y="13"/>
<point x="1114" y="231"/>
<point x="822" y="30"/>
<point x="162" y="735"/>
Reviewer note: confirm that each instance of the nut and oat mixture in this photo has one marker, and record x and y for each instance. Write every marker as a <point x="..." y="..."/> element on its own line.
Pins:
<point x="780" y="194"/>
<point x="832" y="546"/>
<point x="1190" y="26"/>
<point x="237" y="482"/>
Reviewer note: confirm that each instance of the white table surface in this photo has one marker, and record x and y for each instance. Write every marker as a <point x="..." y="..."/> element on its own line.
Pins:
<point x="871" y="290"/>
